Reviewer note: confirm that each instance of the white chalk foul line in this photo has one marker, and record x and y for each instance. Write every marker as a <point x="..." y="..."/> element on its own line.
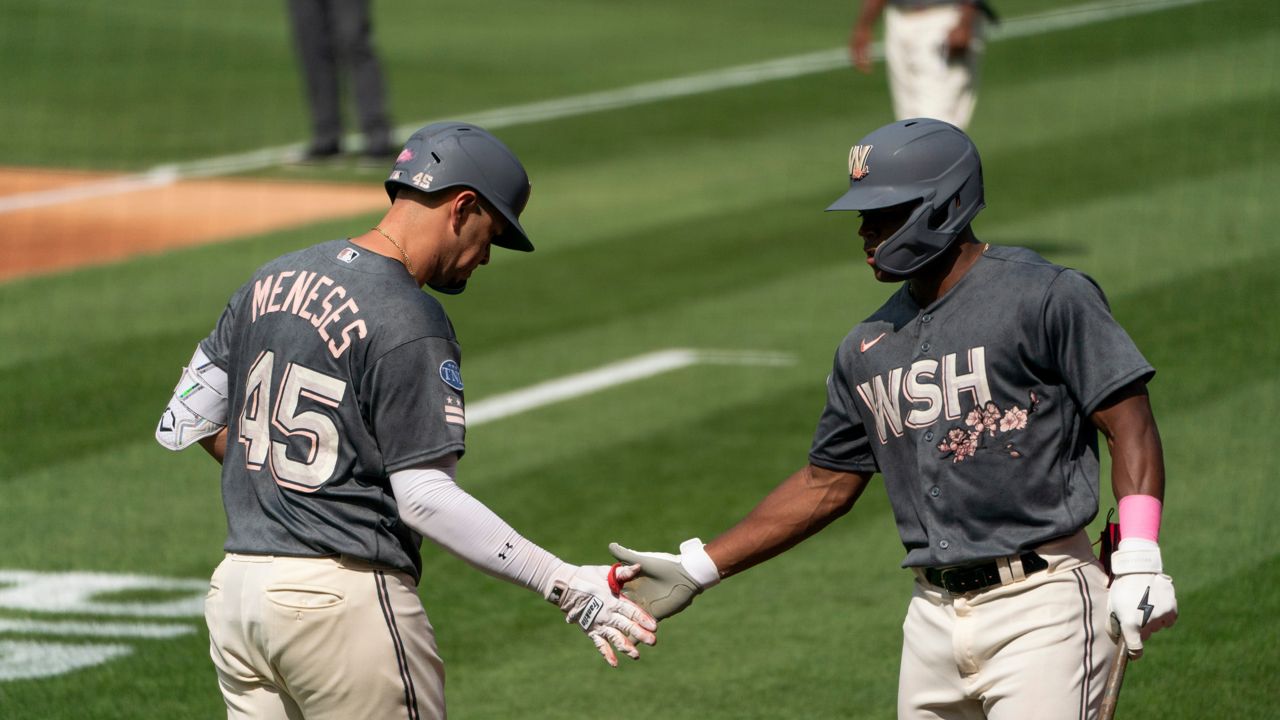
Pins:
<point x="640" y="94"/>
<point x="607" y="376"/>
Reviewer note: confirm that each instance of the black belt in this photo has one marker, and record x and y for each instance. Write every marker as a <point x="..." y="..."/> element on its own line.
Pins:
<point x="971" y="578"/>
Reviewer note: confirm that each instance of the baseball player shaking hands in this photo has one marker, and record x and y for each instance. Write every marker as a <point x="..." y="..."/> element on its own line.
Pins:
<point x="977" y="391"/>
<point x="331" y="392"/>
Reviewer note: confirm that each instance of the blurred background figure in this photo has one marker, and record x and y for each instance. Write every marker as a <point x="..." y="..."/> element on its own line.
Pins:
<point x="332" y="37"/>
<point x="932" y="49"/>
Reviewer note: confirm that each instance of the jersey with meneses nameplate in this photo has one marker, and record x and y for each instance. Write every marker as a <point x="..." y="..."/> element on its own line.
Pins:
<point x="340" y="371"/>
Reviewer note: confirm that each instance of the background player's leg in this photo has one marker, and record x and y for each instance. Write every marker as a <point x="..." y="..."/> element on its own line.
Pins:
<point x="352" y="31"/>
<point x="316" y="58"/>
<point x="900" y="44"/>
<point x="946" y="89"/>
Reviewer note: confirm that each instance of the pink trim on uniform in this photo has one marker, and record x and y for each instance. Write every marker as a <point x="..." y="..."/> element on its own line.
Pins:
<point x="1140" y="517"/>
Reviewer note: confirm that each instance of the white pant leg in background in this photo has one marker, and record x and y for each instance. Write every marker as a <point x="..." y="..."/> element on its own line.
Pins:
<point x="321" y="638"/>
<point x="1035" y="648"/>
<point x="923" y="80"/>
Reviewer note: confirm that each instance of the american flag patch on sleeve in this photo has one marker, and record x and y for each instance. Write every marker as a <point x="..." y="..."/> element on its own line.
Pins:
<point x="453" y="412"/>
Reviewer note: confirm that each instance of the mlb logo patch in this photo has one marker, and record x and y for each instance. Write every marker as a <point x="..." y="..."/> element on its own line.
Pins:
<point x="348" y="255"/>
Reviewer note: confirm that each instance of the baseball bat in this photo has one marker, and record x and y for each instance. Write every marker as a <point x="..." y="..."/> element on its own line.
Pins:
<point x="1111" y="692"/>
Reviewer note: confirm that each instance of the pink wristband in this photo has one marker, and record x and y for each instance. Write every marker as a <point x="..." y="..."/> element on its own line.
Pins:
<point x="1139" y="517"/>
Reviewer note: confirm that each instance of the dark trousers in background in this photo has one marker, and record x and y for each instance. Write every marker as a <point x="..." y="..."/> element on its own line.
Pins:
<point x="332" y="37"/>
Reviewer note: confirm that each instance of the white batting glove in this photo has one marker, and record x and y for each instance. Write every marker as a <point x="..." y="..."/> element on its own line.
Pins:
<point x="585" y="596"/>
<point x="668" y="583"/>
<point x="1141" y="600"/>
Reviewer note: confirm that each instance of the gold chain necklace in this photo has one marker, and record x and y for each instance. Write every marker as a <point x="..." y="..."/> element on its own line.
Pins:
<point x="408" y="265"/>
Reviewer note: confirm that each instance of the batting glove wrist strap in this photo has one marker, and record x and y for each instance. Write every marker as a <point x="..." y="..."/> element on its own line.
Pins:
<point x="699" y="565"/>
<point x="1135" y="556"/>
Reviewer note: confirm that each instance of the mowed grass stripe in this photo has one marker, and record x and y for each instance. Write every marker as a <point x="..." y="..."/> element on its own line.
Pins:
<point x="622" y="98"/>
<point x="782" y="143"/>
<point x="813" y="634"/>
<point x="1182" y="352"/>
<point x="55" y="397"/>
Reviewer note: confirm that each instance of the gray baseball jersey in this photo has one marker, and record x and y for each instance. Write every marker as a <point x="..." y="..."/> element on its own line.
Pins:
<point x="341" y="371"/>
<point x="976" y="408"/>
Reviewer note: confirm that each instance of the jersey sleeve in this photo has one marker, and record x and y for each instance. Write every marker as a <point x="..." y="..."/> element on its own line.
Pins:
<point x="1093" y="354"/>
<point x="840" y="441"/>
<point x="217" y="345"/>
<point x="414" y="402"/>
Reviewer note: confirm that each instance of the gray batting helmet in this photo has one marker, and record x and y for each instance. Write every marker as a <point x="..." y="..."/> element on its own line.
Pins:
<point x="918" y="160"/>
<point x="451" y="154"/>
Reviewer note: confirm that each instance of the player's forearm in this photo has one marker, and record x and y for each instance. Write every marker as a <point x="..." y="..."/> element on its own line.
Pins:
<point x="868" y="15"/>
<point x="215" y="445"/>
<point x="435" y="507"/>
<point x="802" y="505"/>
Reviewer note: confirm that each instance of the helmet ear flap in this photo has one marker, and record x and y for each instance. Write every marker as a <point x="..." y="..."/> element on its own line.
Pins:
<point x="939" y="216"/>
<point x="942" y="217"/>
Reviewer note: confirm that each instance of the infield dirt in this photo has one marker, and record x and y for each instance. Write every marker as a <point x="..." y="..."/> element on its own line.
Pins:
<point x="90" y="231"/>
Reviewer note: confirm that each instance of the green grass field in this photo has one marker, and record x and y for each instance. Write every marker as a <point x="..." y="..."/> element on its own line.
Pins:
<point x="1142" y="150"/>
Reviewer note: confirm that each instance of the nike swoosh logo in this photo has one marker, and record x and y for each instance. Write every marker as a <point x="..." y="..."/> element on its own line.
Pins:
<point x="865" y="345"/>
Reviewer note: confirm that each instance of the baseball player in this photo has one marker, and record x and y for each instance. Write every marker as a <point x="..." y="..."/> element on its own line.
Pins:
<point x="977" y="391"/>
<point x="331" y="392"/>
<point x="933" y="50"/>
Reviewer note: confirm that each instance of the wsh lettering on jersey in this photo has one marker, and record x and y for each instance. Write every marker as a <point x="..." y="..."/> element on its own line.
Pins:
<point x="930" y="389"/>
<point x="300" y="298"/>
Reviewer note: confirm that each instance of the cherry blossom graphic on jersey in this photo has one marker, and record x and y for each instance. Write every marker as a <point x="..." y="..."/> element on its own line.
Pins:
<point x="961" y="443"/>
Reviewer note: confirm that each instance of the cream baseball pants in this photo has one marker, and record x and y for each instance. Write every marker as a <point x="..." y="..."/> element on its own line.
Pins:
<point x="316" y="638"/>
<point x="1035" y="647"/>
<point x="923" y="80"/>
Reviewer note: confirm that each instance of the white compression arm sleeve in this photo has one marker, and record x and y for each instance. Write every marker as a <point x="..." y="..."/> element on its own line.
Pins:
<point x="431" y="503"/>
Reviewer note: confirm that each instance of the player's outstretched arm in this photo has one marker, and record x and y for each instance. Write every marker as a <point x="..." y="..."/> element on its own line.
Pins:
<point x="802" y="505"/>
<point x="1142" y="599"/>
<point x="430" y="502"/>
